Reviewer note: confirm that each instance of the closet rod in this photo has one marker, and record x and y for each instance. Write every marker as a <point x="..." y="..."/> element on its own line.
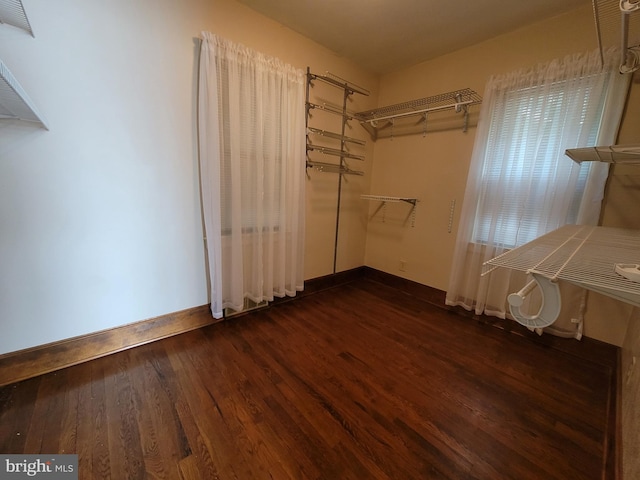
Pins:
<point x="415" y="112"/>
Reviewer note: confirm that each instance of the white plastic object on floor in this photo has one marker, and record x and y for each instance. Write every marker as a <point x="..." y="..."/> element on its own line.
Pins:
<point x="551" y="303"/>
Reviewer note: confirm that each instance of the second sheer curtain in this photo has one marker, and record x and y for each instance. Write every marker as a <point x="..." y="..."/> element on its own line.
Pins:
<point x="520" y="184"/>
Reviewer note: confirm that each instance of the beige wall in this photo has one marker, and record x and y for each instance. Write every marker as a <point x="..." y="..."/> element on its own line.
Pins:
<point x="606" y="319"/>
<point x="622" y="209"/>
<point x="630" y="373"/>
<point x="434" y="167"/>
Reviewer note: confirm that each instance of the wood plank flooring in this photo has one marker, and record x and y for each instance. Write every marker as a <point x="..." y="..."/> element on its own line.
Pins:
<point x="356" y="382"/>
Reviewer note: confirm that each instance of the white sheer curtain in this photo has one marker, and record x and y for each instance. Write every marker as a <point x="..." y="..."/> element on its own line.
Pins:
<point x="522" y="185"/>
<point x="252" y="151"/>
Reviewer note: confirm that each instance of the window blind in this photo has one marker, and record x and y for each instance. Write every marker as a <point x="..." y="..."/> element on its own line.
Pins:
<point x="525" y="167"/>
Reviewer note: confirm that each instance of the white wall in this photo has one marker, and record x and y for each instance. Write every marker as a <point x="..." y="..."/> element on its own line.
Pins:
<point x="99" y="217"/>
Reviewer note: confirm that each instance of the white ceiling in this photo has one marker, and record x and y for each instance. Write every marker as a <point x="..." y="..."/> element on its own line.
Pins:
<point x="387" y="35"/>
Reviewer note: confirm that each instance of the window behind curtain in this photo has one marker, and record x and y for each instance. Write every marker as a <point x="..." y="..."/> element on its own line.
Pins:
<point x="525" y="159"/>
<point x="251" y="125"/>
<point x="258" y="118"/>
<point x="521" y="185"/>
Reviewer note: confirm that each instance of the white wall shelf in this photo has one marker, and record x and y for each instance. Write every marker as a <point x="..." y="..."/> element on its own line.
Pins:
<point x="626" y="154"/>
<point x="12" y="13"/>
<point x="335" y="136"/>
<point x="334" y="151"/>
<point x="15" y="104"/>
<point x="583" y="255"/>
<point x="384" y="199"/>
<point x="340" y="149"/>
<point x="333" y="168"/>
<point x="338" y="82"/>
<point x="382" y="120"/>
<point x="14" y="101"/>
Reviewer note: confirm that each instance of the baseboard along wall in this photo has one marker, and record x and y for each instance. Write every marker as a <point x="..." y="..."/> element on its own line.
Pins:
<point x="31" y="362"/>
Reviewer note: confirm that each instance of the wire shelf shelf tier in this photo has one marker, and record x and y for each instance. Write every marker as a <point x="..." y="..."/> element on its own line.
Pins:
<point x="586" y="256"/>
<point x="333" y="168"/>
<point x="628" y="154"/>
<point x="12" y="13"/>
<point x="441" y="101"/>
<point x="14" y="101"/>
<point x="335" y="152"/>
<point x="385" y="198"/>
<point x="335" y="136"/>
<point x="339" y="82"/>
<point x="341" y="144"/>
<point x="15" y="104"/>
<point x="457" y="100"/>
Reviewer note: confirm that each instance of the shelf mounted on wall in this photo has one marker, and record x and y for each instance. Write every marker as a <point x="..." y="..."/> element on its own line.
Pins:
<point x="15" y="104"/>
<point x="383" y="119"/>
<point x="335" y="136"/>
<point x="341" y="149"/>
<point x="334" y="151"/>
<point x="339" y="141"/>
<point x="12" y="13"/>
<point x="326" y="167"/>
<point x="600" y="259"/>
<point x="14" y="101"/>
<point x="384" y="199"/>
<point x="619" y="154"/>
<point x="338" y="82"/>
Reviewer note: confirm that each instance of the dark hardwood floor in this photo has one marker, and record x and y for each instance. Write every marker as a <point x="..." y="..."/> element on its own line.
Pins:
<point x="356" y="382"/>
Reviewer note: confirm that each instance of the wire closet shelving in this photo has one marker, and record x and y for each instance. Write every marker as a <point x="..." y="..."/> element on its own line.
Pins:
<point x="332" y="156"/>
<point x="15" y="104"/>
<point x="379" y="119"/>
<point x="384" y="199"/>
<point x="621" y="154"/>
<point x="14" y="101"/>
<point x="342" y="153"/>
<point x="600" y="259"/>
<point x="12" y="13"/>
